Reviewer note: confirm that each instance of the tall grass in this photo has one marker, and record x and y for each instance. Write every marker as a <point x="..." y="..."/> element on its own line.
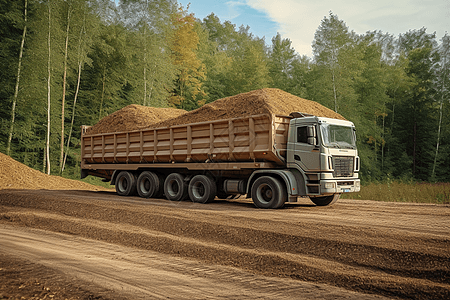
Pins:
<point x="393" y="191"/>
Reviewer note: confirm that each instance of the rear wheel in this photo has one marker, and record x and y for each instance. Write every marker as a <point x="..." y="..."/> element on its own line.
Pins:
<point x="202" y="189"/>
<point x="175" y="188"/>
<point x="268" y="192"/>
<point x="126" y="184"/>
<point x="149" y="185"/>
<point x="325" y="200"/>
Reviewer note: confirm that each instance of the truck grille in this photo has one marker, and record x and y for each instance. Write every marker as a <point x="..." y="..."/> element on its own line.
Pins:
<point x="343" y="166"/>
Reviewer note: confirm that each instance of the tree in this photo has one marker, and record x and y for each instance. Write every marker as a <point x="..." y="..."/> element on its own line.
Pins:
<point x="64" y="85"/>
<point x="442" y="83"/>
<point x="85" y="32"/>
<point x="281" y="63"/>
<point x="248" y="68"/>
<point x="414" y="129"/>
<point x="16" y="90"/>
<point x="191" y="71"/>
<point x="331" y="40"/>
<point x="149" y="25"/>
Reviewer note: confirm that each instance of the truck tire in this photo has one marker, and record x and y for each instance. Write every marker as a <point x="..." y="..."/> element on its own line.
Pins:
<point x="268" y="192"/>
<point x="202" y="189"/>
<point x="325" y="200"/>
<point x="126" y="184"/>
<point x="175" y="188"/>
<point x="149" y="185"/>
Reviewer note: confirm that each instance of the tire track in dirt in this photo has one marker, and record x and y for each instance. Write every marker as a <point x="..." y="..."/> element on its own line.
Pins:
<point x="262" y="261"/>
<point x="118" y="272"/>
<point x="263" y="246"/>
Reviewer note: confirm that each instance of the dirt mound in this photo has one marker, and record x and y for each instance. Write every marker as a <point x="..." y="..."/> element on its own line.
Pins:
<point x="15" y="175"/>
<point x="264" y="101"/>
<point x="134" y="117"/>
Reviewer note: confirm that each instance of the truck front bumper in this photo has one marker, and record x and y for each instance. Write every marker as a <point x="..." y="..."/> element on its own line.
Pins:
<point x="339" y="186"/>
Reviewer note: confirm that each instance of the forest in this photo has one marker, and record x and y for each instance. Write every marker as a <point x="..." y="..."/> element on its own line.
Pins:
<point x="67" y="63"/>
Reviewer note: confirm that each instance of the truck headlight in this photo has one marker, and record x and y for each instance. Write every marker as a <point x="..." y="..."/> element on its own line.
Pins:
<point x="357" y="184"/>
<point x="329" y="185"/>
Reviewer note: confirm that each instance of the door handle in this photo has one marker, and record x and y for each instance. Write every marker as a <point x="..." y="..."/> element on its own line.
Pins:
<point x="296" y="157"/>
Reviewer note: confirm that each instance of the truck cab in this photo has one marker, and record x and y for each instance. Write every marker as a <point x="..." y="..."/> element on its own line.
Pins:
<point x="322" y="153"/>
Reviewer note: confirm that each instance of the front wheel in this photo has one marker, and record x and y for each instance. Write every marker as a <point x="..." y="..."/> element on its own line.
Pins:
<point x="325" y="200"/>
<point x="268" y="192"/>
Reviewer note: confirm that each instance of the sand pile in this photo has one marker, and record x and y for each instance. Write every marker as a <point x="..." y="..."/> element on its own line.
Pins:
<point x="134" y="117"/>
<point x="262" y="101"/>
<point x="15" y="175"/>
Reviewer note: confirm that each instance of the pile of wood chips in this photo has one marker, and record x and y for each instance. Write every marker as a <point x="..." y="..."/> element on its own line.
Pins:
<point x="15" y="175"/>
<point x="264" y="101"/>
<point x="134" y="117"/>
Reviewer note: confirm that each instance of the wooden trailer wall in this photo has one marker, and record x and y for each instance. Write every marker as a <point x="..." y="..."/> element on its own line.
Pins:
<point x="255" y="138"/>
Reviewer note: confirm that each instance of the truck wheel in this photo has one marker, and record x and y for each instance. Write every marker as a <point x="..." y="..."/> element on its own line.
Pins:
<point x="325" y="200"/>
<point x="149" y="185"/>
<point x="268" y="192"/>
<point x="175" y="188"/>
<point x="202" y="189"/>
<point x="126" y="184"/>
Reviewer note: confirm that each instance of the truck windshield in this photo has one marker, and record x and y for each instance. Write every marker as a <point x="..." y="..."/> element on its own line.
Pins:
<point x="336" y="136"/>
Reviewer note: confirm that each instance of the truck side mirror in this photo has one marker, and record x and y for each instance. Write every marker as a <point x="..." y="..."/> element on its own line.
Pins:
<point x="312" y="135"/>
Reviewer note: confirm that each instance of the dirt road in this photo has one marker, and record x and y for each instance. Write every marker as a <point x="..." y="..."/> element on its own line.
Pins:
<point x="96" y="245"/>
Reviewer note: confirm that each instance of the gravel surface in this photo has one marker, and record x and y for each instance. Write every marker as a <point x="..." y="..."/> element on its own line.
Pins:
<point x="396" y="250"/>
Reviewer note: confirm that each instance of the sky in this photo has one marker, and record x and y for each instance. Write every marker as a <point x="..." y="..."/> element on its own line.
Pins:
<point x="298" y="20"/>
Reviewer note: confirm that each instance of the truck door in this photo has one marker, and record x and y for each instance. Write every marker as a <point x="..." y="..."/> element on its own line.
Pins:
<point x="306" y="148"/>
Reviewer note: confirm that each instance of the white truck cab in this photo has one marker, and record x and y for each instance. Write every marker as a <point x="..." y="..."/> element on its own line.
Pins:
<point x="324" y="152"/>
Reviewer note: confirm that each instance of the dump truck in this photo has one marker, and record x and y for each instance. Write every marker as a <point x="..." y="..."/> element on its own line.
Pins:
<point x="272" y="159"/>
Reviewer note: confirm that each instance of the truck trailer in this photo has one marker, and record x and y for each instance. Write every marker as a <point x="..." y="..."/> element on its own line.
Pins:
<point x="270" y="158"/>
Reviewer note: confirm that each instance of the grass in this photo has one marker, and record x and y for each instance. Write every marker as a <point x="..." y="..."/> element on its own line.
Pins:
<point x="90" y="179"/>
<point x="438" y="193"/>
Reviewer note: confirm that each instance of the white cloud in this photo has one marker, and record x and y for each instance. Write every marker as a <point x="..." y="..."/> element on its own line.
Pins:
<point x="299" y="19"/>
<point x="233" y="9"/>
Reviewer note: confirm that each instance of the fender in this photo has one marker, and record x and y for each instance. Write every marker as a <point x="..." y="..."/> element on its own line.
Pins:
<point x="113" y="177"/>
<point x="286" y="176"/>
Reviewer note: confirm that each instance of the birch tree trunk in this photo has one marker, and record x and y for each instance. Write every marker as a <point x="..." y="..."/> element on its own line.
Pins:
<point x="47" y="152"/>
<point x="444" y="65"/>
<point x="16" y="91"/>
<point x="73" y="115"/>
<point x="63" y="101"/>
<point x="438" y="138"/>
<point x="103" y="94"/>
<point x="80" y="63"/>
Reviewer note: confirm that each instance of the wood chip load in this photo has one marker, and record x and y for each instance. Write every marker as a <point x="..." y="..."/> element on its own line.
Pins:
<point x="134" y="117"/>
<point x="264" y="101"/>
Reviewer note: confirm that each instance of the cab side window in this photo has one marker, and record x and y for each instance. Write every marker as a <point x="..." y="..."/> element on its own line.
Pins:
<point x="302" y="134"/>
